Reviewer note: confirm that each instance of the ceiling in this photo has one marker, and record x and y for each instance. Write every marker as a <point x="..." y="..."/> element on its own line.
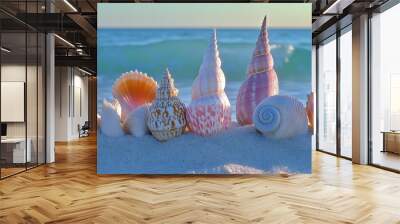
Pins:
<point x="75" y="22"/>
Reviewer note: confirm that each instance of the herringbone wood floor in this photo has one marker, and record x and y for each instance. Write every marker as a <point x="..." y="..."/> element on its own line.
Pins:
<point x="70" y="191"/>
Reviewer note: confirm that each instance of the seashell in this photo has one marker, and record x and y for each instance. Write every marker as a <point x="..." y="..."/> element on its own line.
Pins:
<point x="210" y="110"/>
<point x="98" y="121"/>
<point x="136" y="121"/>
<point x="209" y="115"/>
<point x="110" y="120"/>
<point x="166" y="116"/>
<point x="117" y="107"/>
<point x="280" y="117"/>
<point x="133" y="89"/>
<point x="233" y="168"/>
<point x="261" y="81"/>
<point x="211" y="78"/>
<point x="310" y="111"/>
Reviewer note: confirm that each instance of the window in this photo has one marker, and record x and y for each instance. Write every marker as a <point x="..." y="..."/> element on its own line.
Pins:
<point x="327" y="96"/>
<point x="22" y="75"/>
<point x="346" y="93"/>
<point x="385" y="89"/>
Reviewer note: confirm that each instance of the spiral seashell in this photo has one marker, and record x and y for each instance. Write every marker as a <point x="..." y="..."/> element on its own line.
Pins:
<point x="310" y="110"/>
<point x="166" y="116"/>
<point x="211" y="78"/>
<point x="133" y="89"/>
<point x="136" y="121"/>
<point x="110" y="121"/>
<point x="210" y="111"/>
<point x="261" y="81"/>
<point x="280" y="117"/>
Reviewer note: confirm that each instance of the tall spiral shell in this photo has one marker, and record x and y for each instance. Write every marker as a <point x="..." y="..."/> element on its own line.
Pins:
<point x="211" y="78"/>
<point x="210" y="110"/>
<point x="261" y="81"/>
<point x="280" y="117"/>
<point x="166" y="116"/>
<point x="110" y="120"/>
<point x="133" y="89"/>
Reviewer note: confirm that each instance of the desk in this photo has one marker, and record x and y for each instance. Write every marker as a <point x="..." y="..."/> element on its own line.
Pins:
<point x="17" y="151"/>
<point x="391" y="141"/>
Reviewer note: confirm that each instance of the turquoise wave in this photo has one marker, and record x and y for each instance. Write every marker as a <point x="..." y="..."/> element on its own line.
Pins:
<point x="184" y="59"/>
<point x="182" y="52"/>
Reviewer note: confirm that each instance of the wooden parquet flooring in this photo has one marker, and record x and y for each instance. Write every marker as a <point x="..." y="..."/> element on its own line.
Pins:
<point x="70" y="191"/>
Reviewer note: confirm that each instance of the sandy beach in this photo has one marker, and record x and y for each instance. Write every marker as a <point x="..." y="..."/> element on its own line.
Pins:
<point x="239" y="150"/>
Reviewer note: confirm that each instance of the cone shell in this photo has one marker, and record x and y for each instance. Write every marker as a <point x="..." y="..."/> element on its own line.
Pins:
<point x="110" y="121"/>
<point x="280" y="117"/>
<point x="133" y="89"/>
<point x="166" y="116"/>
<point x="261" y="79"/>
<point x="211" y="78"/>
<point x="210" y="110"/>
<point x="310" y="110"/>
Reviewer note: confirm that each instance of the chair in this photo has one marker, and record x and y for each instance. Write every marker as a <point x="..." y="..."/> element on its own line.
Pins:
<point x="84" y="130"/>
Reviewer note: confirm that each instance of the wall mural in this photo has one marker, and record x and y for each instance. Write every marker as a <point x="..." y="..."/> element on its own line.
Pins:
<point x="208" y="99"/>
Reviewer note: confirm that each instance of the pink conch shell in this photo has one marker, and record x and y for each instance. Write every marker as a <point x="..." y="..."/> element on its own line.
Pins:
<point x="166" y="117"/>
<point x="209" y="115"/>
<point x="261" y="79"/>
<point x="310" y="111"/>
<point x="133" y="89"/>
<point x="209" y="112"/>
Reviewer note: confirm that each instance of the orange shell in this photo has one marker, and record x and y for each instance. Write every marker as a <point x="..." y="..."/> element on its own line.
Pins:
<point x="133" y="89"/>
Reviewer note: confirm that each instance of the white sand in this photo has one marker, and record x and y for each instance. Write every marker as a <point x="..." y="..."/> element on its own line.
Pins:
<point x="240" y="150"/>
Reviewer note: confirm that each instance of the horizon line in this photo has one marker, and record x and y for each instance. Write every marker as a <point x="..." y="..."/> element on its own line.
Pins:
<point x="211" y="27"/>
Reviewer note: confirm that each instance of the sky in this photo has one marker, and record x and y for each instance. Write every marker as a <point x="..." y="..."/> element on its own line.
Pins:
<point x="201" y="15"/>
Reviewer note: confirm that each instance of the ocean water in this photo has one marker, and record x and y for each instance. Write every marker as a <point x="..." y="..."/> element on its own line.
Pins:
<point x="181" y="50"/>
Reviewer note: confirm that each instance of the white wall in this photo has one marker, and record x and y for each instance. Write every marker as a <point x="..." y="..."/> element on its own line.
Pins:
<point x="12" y="73"/>
<point x="33" y="127"/>
<point x="61" y="103"/>
<point x="71" y="93"/>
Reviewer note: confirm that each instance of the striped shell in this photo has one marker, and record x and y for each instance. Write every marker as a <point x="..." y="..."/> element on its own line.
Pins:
<point x="110" y="120"/>
<point x="133" y="89"/>
<point x="261" y="81"/>
<point x="280" y="117"/>
<point x="166" y="117"/>
<point x="210" y="111"/>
